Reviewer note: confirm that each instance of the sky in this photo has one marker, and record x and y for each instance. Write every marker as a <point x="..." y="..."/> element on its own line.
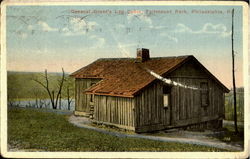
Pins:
<point x="52" y="37"/>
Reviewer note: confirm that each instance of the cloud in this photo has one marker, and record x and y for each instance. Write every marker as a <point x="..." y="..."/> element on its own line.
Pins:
<point x="208" y="28"/>
<point x="120" y="47"/>
<point x="22" y="35"/>
<point x="78" y="26"/>
<point x="160" y="27"/>
<point x="139" y="16"/>
<point x="172" y="38"/>
<point x="45" y="27"/>
<point x="125" y="52"/>
<point x="120" y="26"/>
<point x="124" y="48"/>
<point x="91" y="25"/>
<point x="226" y="34"/>
<point x="30" y="27"/>
<point x="181" y="28"/>
<point x="164" y="34"/>
<point x="99" y="41"/>
<point x="41" y="26"/>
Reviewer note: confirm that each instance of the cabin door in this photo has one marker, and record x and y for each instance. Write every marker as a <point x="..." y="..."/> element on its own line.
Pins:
<point x="91" y="107"/>
<point x="167" y="106"/>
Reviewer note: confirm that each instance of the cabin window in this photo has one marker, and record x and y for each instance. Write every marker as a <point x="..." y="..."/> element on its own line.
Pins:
<point x="166" y="100"/>
<point x="166" y="96"/>
<point x="204" y="94"/>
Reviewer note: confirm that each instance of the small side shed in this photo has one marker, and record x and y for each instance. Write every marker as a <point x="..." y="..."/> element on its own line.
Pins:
<point x="147" y="94"/>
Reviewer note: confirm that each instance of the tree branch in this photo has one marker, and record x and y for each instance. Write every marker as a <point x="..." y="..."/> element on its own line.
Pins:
<point x="60" y="86"/>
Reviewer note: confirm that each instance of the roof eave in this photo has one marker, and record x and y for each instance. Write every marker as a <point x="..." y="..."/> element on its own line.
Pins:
<point x="225" y="89"/>
<point x="109" y="94"/>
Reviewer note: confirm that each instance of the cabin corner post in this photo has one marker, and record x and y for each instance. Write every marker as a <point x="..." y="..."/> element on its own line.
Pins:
<point x="135" y="121"/>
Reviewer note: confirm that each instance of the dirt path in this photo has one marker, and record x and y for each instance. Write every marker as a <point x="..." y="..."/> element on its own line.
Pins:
<point x="83" y="122"/>
<point x="227" y="122"/>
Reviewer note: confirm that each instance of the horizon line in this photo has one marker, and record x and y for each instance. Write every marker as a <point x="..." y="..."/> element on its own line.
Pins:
<point x="70" y="73"/>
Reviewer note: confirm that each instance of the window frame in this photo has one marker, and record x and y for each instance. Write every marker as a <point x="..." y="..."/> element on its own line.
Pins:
<point x="168" y="102"/>
<point x="166" y="92"/>
<point x="204" y="93"/>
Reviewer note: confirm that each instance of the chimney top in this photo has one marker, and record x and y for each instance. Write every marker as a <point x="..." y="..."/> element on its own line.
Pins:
<point x="142" y="55"/>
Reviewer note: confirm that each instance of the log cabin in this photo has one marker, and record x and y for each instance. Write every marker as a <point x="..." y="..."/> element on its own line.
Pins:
<point x="145" y="94"/>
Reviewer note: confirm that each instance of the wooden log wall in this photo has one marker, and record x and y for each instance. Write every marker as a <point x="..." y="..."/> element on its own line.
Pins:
<point x="82" y="99"/>
<point x="117" y="110"/>
<point x="185" y="104"/>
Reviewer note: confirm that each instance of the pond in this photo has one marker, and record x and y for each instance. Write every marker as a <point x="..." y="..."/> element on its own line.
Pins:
<point x="42" y="103"/>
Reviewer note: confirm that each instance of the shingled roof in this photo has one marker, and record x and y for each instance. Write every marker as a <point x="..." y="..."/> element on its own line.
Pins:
<point x="125" y="76"/>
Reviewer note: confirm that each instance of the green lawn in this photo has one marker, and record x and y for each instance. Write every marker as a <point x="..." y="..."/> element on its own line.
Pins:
<point x="230" y="137"/>
<point x="32" y="129"/>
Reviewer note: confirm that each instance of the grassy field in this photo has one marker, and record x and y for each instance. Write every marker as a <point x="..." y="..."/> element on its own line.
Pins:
<point x="43" y="131"/>
<point x="229" y="136"/>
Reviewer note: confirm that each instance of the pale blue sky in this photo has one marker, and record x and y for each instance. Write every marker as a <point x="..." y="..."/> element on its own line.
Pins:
<point x="51" y="37"/>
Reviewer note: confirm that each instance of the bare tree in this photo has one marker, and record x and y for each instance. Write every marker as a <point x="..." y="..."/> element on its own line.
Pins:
<point x="41" y="103"/>
<point x="68" y="91"/>
<point x="12" y="94"/>
<point x="36" y="94"/>
<point x="10" y="101"/>
<point x="69" y="99"/>
<point x="60" y="101"/>
<point x="53" y="98"/>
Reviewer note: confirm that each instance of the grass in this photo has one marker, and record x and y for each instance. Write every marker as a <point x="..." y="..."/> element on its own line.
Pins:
<point x="230" y="137"/>
<point x="31" y="129"/>
<point x="111" y="128"/>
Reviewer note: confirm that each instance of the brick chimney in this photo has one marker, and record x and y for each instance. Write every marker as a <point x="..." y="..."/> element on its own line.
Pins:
<point x="142" y="55"/>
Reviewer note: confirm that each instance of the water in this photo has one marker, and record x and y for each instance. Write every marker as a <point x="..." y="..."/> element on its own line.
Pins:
<point x="42" y="103"/>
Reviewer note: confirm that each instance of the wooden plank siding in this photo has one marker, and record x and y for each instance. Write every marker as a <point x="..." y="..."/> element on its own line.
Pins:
<point x="186" y="103"/>
<point x="117" y="110"/>
<point x="149" y="108"/>
<point x="82" y="99"/>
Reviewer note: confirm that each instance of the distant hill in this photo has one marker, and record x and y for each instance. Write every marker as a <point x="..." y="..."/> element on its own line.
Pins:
<point x="23" y="72"/>
<point x="22" y="85"/>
